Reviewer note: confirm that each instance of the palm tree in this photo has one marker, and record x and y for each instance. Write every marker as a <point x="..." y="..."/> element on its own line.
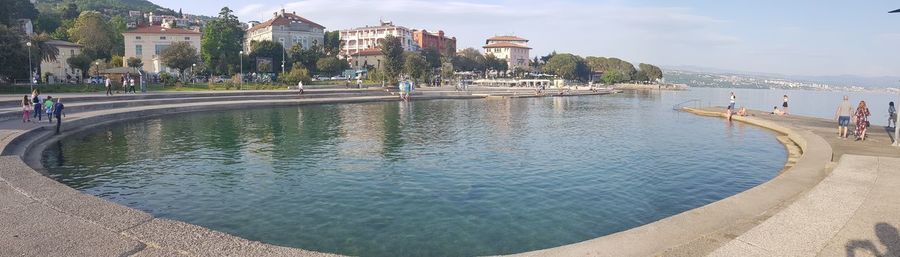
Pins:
<point x="47" y="51"/>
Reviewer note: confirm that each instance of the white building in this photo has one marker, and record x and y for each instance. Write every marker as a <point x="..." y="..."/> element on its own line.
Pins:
<point x="360" y="39"/>
<point x="288" y="29"/>
<point x="513" y="49"/>
<point x="59" y="68"/>
<point x="146" y="43"/>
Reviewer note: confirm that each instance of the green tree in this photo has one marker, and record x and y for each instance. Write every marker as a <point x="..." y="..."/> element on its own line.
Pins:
<point x="13" y="57"/>
<point x="267" y="49"/>
<point x="116" y="61"/>
<point x="70" y="12"/>
<point x="12" y="10"/>
<point x="469" y="59"/>
<point x="494" y="63"/>
<point x="134" y="62"/>
<point x="81" y="62"/>
<point x="180" y="56"/>
<point x="331" y="65"/>
<point x="332" y="43"/>
<point x="92" y="32"/>
<point x="652" y="72"/>
<point x="62" y="32"/>
<point x="415" y="66"/>
<point x="392" y="50"/>
<point x="47" y="22"/>
<point x="432" y="57"/>
<point x="612" y="77"/>
<point x="306" y="57"/>
<point x="567" y="66"/>
<point x="221" y="43"/>
<point x="446" y="69"/>
<point x="41" y="48"/>
<point x="118" y="26"/>
<point x="297" y="73"/>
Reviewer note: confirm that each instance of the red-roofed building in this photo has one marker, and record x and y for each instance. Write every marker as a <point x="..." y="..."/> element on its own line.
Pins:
<point x="147" y="42"/>
<point x="289" y="29"/>
<point x="438" y="41"/>
<point x="513" y="49"/>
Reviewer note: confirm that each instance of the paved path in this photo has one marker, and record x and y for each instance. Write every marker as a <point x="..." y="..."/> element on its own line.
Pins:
<point x="855" y="211"/>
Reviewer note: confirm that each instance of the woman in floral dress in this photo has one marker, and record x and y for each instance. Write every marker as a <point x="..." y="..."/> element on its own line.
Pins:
<point x="862" y="120"/>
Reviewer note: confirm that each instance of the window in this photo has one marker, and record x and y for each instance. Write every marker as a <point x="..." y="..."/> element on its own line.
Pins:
<point x="138" y="50"/>
<point x="160" y="48"/>
<point x="137" y="38"/>
<point x="162" y="38"/>
<point x="72" y="52"/>
<point x="187" y="38"/>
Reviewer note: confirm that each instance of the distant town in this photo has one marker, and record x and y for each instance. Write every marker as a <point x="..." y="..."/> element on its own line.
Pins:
<point x="735" y="80"/>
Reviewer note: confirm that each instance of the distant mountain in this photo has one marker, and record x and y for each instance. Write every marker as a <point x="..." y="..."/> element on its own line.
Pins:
<point x="835" y="80"/>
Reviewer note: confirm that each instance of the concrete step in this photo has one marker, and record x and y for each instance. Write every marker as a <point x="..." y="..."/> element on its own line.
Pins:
<point x="8" y="102"/>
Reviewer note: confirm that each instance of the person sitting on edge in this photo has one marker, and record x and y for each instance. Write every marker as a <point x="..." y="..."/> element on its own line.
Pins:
<point x="778" y="112"/>
<point x="742" y="112"/>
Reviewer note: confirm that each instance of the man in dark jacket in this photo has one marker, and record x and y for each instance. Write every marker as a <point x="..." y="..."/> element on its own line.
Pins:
<point x="58" y="112"/>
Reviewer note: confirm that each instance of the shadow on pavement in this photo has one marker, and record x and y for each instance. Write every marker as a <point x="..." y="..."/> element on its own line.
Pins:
<point x="888" y="237"/>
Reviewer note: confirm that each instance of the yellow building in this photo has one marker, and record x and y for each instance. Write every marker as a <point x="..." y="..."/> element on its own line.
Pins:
<point x="513" y="49"/>
<point x="146" y="43"/>
<point x="286" y="28"/>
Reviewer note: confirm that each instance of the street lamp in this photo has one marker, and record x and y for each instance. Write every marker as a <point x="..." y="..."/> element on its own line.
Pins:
<point x="241" y="87"/>
<point x="193" y="66"/>
<point x="30" y="67"/>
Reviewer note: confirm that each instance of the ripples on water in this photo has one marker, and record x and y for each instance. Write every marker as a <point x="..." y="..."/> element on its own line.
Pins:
<point x="431" y="178"/>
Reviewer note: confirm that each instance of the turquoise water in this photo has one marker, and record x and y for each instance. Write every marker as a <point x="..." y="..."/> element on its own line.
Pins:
<point x="428" y="178"/>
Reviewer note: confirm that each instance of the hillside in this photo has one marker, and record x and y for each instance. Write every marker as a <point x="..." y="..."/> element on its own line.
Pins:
<point x="107" y="6"/>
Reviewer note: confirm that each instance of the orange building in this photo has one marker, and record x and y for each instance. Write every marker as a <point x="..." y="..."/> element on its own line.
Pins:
<point x="437" y="41"/>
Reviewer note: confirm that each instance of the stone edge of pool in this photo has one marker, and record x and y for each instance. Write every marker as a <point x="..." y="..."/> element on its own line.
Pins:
<point x="162" y="236"/>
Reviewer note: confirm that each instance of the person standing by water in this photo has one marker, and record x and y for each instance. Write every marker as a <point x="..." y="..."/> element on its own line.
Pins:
<point x="58" y="111"/>
<point x="842" y="115"/>
<point x="26" y="109"/>
<point x="784" y="106"/>
<point x="300" y="86"/>
<point x="401" y="86"/>
<point x="108" y="86"/>
<point x="892" y="115"/>
<point x="48" y="107"/>
<point x="862" y="120"/>
<point x="731" y="102"/>
<point x="131" y="86"/>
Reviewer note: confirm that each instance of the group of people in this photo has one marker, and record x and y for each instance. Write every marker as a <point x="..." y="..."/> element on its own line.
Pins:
<point x="127" y="85"/>
<point x="845" y="114"/>
<point x="35" y="108"/>
<point x="406" y="88"/>
<point x="731" y="111"/>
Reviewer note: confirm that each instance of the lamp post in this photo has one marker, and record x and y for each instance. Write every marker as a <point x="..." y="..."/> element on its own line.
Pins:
<point x="896" y="128"/>
<point x="30" y="67"/>
<point x="241" y="87"/>
<point x="193" y="66"/>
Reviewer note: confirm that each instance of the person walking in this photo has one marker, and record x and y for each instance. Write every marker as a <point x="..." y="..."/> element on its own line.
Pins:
<point x="784" y="106"/>
<point x="26" y="109"/>
<point x="48" y="107"/>
<point x="842" y="115"/>
<point x="300" y="86"/>
<point x="892" y="115"/>
<point x="131" y="86"/>
<point x="862" y="120"/>
<point x="58" y="111"/>
<point x="36" y="101"/>
<point x="108" y="86"/>
<point x="358" y="83"/>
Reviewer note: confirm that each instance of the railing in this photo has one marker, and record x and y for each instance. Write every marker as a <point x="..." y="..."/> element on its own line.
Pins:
<point x="697" y="103"/>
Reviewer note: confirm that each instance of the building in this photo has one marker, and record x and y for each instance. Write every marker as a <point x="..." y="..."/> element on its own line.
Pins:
<point x="289" y="29"/>
<point x="368" y="57"/>
<point x="445" y="45"/>
<point x="147" y="42"/>
<point x="359" y="39"/>
<point x="513" y="49"/>
<point x="59" y="68"/>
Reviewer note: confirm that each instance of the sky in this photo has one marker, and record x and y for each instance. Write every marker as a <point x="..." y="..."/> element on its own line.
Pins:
<point x="797" y="37"/>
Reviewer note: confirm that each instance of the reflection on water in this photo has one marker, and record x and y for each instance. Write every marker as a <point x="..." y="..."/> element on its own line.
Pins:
<point x="425" y="178"/>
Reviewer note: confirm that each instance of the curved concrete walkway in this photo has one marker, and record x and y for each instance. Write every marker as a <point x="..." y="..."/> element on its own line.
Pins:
<point x="42" y="217"/>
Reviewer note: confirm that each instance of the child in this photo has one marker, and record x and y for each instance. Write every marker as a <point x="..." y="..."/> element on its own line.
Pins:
<point x="26" y="109"/>
<point x="48" y="107"/>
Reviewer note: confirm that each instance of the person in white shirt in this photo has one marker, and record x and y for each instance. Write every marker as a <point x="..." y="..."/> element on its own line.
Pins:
<point x="300" y="86"/>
